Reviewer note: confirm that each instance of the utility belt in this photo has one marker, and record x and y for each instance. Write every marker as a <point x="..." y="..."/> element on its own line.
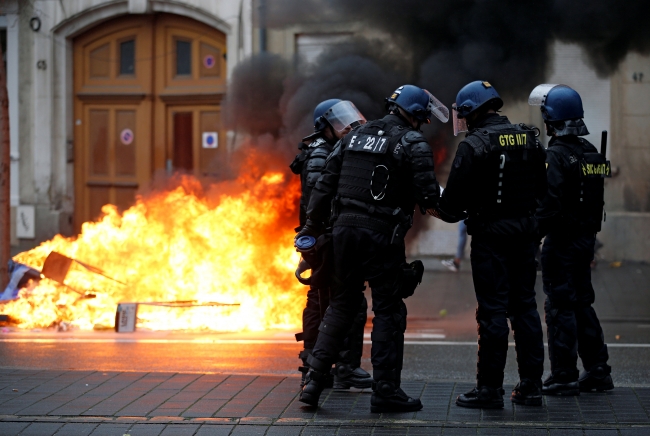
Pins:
<point x="349" y="212"/>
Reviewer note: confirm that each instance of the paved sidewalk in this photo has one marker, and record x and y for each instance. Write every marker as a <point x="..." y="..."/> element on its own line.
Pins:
<point x="34" y="402"/>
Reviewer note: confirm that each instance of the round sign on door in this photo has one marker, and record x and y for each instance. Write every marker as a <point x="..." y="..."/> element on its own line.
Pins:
<point x="210" y="139"/>
<point x="126" y="136"/>
<point x="209" y="61"/>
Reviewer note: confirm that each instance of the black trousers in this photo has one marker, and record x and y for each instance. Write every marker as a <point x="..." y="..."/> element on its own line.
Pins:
<point x="504" y="275"/>
<point x="312" y="315"/>
<point x="573" y="327"/>
<point x="365" y="255"/>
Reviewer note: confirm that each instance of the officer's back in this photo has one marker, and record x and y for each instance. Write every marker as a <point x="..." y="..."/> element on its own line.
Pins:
<point x="574" y="204"/>
<point x="570" y="216"/>
<point x="374" y="176"/>
<point x="498" y="177"/>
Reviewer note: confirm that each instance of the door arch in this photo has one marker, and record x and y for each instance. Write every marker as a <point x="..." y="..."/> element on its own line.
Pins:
<point x="147" y="89"/>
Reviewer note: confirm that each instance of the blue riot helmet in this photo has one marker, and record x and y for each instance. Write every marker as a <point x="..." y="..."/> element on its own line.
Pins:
<point x="561" y="108"/>
<point x="471" y="97"/>
<point x="419" y="103"/>
<point x="319" y="122"/>
<point x="342" y="115"/>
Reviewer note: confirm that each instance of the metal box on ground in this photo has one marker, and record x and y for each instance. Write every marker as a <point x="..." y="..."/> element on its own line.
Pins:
<point x="125" y="317"/>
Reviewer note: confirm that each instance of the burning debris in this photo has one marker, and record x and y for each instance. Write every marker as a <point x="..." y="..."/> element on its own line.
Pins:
<point x="20" y="276"/>
<point x="228" y="242"/>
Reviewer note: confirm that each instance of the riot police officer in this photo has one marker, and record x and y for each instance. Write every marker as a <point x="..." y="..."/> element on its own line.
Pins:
<point x="308" y="164"/>
<point x="375" y="176"/>
<point x="498" y="176"/>
<point x="570" y="216"/>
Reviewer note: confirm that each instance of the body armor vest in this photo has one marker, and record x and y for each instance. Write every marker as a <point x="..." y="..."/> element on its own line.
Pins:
<point x="586" y="187"/>
<point x="508" y="174"/>
<point x="309" y="164"/>
<point x="369" y="172"/>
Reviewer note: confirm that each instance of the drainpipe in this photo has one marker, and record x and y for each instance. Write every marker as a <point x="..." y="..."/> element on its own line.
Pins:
<point x="5" y="194"/>
<point x="262" y="15"/>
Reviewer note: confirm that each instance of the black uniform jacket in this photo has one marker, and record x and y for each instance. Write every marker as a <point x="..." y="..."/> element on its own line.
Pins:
<point x="309" y="164"/>
<point x="418" y="156"/>
<point x="562" y="173"/>
<point x="464" y="186"/>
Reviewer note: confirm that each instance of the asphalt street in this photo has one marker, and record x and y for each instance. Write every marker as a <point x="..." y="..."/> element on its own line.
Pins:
<point x="440" y="338"/>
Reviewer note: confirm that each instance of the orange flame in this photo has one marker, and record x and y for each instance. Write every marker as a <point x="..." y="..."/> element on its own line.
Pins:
<point x="230" y="243"/>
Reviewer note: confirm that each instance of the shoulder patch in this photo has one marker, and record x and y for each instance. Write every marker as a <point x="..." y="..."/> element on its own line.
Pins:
<point x="317" y="142"/>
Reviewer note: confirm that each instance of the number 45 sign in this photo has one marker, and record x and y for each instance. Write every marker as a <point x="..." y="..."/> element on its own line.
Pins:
<point x="210" y="139"/>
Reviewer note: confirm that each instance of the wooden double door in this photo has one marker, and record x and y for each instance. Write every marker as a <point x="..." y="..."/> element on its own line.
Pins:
<point x="148" y="92"/>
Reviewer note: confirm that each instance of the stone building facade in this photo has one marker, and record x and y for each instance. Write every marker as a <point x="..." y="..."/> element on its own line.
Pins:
<point x="105" y="93"/>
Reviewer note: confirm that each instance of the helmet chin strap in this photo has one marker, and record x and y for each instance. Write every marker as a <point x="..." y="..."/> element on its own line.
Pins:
<point x="408" y="118"/>
<point x="550" y="131"/>
<point x="330" y="138"/>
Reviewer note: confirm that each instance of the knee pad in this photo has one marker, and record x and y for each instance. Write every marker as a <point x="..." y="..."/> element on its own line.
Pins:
<point x="555" y="307"/>
<point x="335" y="325"/>
<point x="397" y="325"/>
<point x="491" y="325"/>
<point x="522" y="308"/>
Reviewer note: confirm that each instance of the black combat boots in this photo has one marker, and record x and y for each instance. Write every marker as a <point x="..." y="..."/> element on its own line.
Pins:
<point x="345" y="377"/>
<point x="527" y="393"/>
<point x="304" y="369"/>
<point x="560" y="384"/>
<point x="482" y="397"/>
<point x="315" y="383"/>
<point x="597" y="378"/>
<point x="388" y="397"/>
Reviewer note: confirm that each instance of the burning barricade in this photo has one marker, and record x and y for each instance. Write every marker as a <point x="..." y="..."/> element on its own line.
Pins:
<point x="191" y="258"/>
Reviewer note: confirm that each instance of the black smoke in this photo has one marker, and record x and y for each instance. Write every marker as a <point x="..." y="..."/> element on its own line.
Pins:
<point x="253" y="99"/>
<point x="440" y="45"/>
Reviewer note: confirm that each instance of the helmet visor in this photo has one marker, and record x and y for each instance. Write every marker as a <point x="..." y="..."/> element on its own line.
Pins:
<point x="342" y="115"/>
<point x="437" y="109"/>
<point x="538" y="96"/>
<point x="460" y="124"/>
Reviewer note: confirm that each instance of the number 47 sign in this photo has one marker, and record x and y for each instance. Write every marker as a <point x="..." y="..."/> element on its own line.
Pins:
<point x="210" y="140"/>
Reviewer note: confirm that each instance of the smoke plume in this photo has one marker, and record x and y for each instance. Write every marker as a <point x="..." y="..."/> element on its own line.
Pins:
<point x="439" y="45"/>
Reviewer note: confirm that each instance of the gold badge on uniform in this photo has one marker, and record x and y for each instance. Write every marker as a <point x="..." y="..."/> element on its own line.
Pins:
<point x="487" y="84"/>
<point x="546" y="165"/>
